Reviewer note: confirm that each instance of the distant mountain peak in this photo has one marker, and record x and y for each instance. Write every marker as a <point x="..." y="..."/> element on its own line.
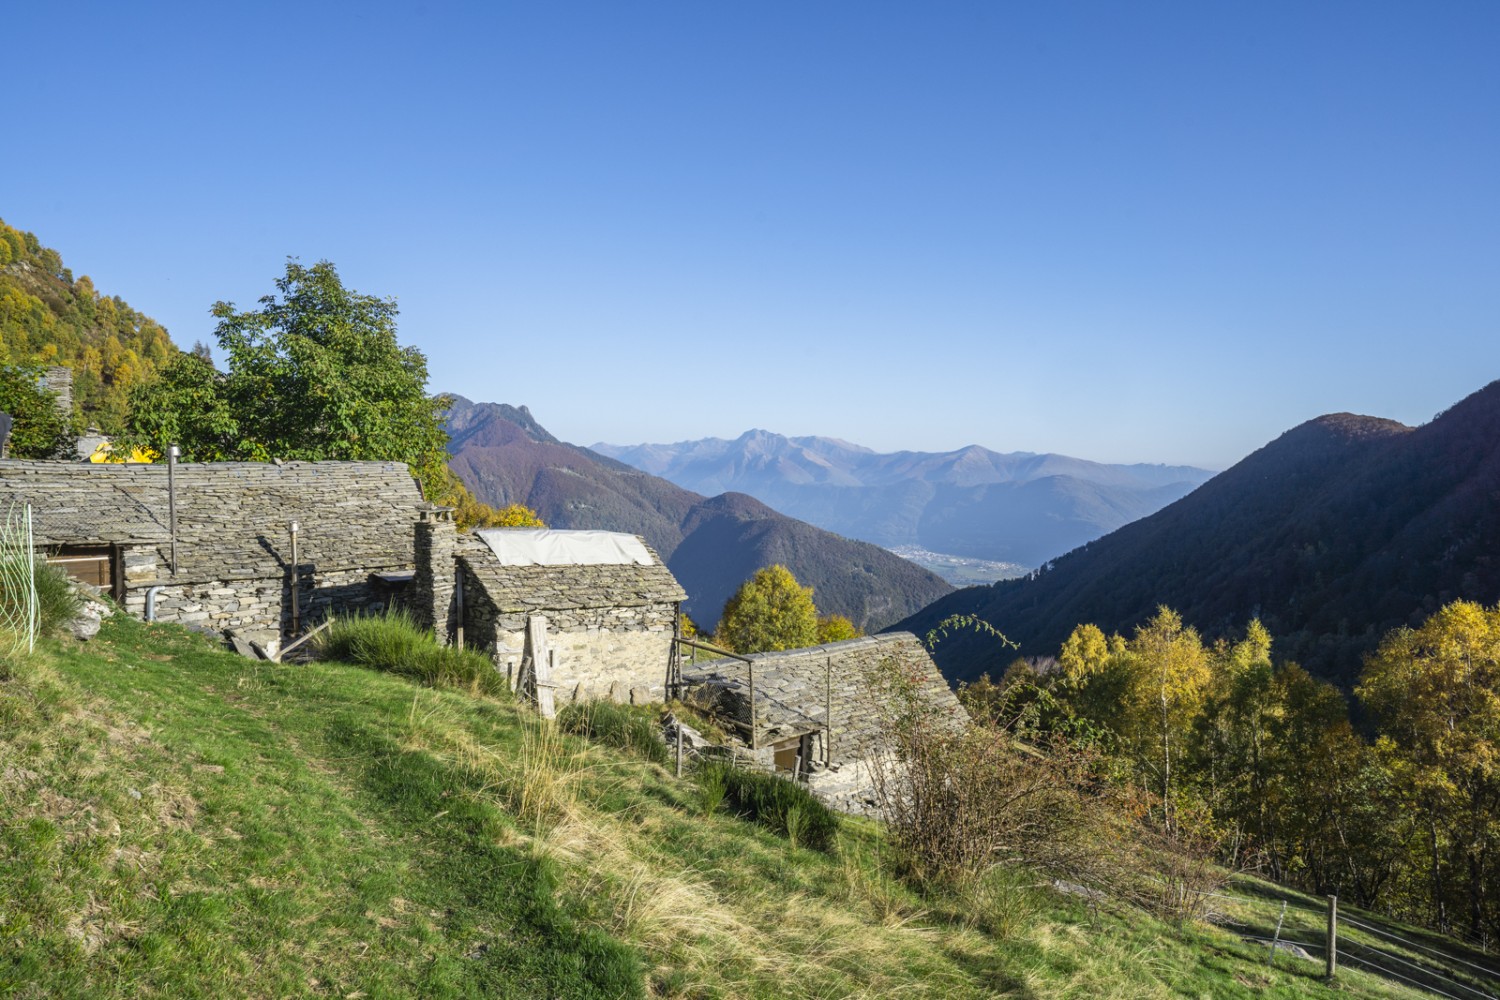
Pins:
<point x="968" y="503"/>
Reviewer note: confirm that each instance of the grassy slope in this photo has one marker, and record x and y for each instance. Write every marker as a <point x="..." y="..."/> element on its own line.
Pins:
<point x="175" y="821"/>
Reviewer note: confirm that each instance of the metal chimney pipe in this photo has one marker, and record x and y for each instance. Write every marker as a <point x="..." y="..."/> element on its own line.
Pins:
<point x="172" y="454"/>
<point x="296" y="583"/>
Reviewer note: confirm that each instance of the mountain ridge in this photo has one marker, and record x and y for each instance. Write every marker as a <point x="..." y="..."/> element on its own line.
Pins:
<point x="970" y="502"/>
<point x="712" y="544"/>
<point x="1337" y="531"/>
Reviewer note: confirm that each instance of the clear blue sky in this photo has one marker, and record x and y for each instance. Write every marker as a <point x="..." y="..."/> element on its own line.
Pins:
<point x="1123" y="231"/>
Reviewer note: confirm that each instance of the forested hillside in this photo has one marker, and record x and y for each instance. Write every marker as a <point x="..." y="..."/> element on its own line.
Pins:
<point x="1338" y="531"/>
<point x="49" y="317"/>
<point x="712" y="545"/>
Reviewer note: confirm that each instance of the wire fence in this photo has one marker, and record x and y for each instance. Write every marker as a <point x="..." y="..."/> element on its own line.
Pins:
<point x="1370" y="948"/>
<point x="19" y="614"/>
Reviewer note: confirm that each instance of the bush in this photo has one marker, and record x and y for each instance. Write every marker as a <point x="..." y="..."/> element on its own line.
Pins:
<point x="630" y="728"/>
<point x="394" y="643"/>
<point x="960" y="797"/>
<point x="774" y="802"/>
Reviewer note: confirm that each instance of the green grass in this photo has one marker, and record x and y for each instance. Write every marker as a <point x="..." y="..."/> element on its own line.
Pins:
<point x="180" y="822"/>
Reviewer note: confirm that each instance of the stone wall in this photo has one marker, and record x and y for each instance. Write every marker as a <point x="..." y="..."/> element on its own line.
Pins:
<point x="233" y="530"/>
<point x="608" y="661"/>
<point x="602" y="652"/>
<point x="261" y="605"/>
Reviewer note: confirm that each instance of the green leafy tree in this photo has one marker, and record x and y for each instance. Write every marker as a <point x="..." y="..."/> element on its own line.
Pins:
<point x="39" y="429"/>
<point x="770" y="611"/>
<point x="315" y="373"/>
<point x="186" y="406"/>
<point x="1148" y="690"/>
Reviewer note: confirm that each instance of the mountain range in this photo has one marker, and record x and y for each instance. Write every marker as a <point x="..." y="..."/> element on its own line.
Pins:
<point x="712" y="545"/>
<point x="1341" y="529"/>
<point x="1018" y="507"/>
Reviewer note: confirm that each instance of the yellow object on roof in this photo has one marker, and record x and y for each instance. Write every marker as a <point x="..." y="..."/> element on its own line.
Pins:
<point x="106" y="454"/>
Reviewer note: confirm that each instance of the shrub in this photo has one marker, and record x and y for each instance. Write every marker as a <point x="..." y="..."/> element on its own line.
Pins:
<point x="963" y="802"/>
<point x="392" y="642"/>
<point x="630" y="728"/>
<point x="774" y="802"/>
<point x="961" y="797"/>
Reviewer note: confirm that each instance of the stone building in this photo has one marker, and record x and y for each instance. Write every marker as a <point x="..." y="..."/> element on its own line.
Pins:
<point x="113" y="526"/>
<point x="568" y="615"/>
<point x="819" y="713"/>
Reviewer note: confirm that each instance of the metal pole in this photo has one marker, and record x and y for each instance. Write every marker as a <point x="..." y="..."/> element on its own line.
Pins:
<point x="674" y="658"/>
<point x="1271" y="958"/>
<point x="172" y="452"/>
<point x="296" y="584"/>
<point x="1333" y="936"/>
<point x="754" y="725"/>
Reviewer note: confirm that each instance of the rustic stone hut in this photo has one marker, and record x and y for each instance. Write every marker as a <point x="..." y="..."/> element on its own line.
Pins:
<point x="112" y="526"/>
<point x="569" y="615"/>
<point x="818" y="715"/>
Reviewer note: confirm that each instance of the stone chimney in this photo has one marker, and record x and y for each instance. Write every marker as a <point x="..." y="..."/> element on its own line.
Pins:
<point x="431" y="600"/>
<point x="59" y="380"/>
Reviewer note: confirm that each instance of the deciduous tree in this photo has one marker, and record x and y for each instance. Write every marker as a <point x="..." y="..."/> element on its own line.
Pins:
<point x="836" y="628"/>
<point x="315" y="373"/>
<point x="1436" y="693"/>
<point x="770" y="611"/>
<point x="39" y="429"/>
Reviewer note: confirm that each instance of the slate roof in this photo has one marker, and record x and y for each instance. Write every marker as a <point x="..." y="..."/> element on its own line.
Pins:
<point x="232" y="517"/>
<point x="792" y="688"/>
<point x="528" y="589"/>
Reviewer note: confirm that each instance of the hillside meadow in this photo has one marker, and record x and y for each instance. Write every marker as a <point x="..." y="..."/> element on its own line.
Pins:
<point x="177" y="821"/>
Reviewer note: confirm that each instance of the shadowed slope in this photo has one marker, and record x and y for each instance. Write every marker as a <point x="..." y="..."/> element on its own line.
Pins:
<point x="711" y="545"/>
<point x="1337" y="531"/>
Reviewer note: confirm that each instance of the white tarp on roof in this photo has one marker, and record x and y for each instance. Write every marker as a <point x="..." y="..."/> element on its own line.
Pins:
<point x="546" y="547"/>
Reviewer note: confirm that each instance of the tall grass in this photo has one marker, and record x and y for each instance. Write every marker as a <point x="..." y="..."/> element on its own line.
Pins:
<point x="626" y="727"/>
<point x="778" y="803"/>
<point x="58" y="601"/>
<point x="394" y="643"/>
